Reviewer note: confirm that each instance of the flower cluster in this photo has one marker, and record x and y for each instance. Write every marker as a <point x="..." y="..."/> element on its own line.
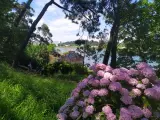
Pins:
<point x="112" y="94"/>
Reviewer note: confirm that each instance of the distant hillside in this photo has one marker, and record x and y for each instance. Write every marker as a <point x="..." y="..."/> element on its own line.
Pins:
<point x="72" y="43"/>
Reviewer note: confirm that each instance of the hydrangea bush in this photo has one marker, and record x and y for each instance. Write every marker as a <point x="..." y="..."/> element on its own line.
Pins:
<point x="114" y="94"/>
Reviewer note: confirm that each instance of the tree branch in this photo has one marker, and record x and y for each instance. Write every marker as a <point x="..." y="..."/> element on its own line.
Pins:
<point x="56" y="4"/>
<point x="18" y="19"/>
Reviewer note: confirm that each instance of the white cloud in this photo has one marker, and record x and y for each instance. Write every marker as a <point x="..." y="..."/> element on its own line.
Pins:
<point x="61" y="28"/>
<point x="63" y="25"/>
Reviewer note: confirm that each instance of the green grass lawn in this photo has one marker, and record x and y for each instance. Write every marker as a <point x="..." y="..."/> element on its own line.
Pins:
<point x="30" y="97"/>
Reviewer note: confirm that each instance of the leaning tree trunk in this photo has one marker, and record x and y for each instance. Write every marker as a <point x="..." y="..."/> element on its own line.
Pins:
<point x="31" y="30"/>
<point x="33" y="27"/>
<point x="109" y="45"/>
<point x="18" y="19"/>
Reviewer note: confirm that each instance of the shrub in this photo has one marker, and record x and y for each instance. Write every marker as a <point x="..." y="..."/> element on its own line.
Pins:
<point x="51" y="69"/>
<point x="66" y="68"/>
<point x="80" y="69"/>
<point x="124" y="94"/>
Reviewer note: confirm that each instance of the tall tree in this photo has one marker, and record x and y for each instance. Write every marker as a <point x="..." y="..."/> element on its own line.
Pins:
<point x="142" y="34"/>
<point x="33" y="28"/>
<point x="43" y="35"/>
<point x="18" y="19"/>
<point x="89" y="13"/>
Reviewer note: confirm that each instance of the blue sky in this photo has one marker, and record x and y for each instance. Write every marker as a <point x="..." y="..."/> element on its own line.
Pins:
<point x="61" y="28"/>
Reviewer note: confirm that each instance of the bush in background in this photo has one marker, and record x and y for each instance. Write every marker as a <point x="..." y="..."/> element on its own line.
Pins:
<point x="80" y="69"/>
<point x="65" y="68"/>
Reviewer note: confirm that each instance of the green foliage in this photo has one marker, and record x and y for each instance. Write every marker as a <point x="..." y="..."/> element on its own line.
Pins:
<point x="72" y="43"/>
<point x="42" y="35"/>
<point x="26" y="96"/>
<point x="51" y="47"/>
<point x="11" y="36"/>
<point x="40" y="52"/>
<point x="140" y="36"/>
<point x="80" y="42"/>
<point x="65" y="68"/>
<point x="80" y="69"/>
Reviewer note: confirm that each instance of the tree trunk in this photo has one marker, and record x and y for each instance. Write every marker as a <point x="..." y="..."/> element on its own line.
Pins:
<point x="114" y="36"/>
<point x="31" y="30"/>
<point x="109" y="45"/>
<point x="114" y="48"/>
<point x="18" y="19"/>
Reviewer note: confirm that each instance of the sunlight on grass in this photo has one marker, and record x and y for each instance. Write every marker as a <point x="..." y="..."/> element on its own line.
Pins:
<point x="30" y="97"/>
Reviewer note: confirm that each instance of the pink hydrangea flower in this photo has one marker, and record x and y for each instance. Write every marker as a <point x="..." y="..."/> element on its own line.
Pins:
<point x="133" y="72"/>
<point x="100" y="73"/>
<point x="85" y="80"/>
<point x="90" y="77"/>
<point x="157" y="94"/>
<point x="91" y="80"/>
<point x="145" y="81"/>
<point x="133" y="81"/>
<point x="113" y="78"/>
<point x="103" y="92"/>
<point x="107" y="75"/>
<point x="124" y="110"/>
<point x="141" y="86"/>
<point x="136" y="92"/>
<point x="124" y="91"/>
<point x="107" y="109"/>
<point x="115" y="86"/>
<point x="94" y="92"/>
<point x="70" y="101"/>
<point x="93" y="67"/>
<point x="108" y="69"/>
<point x="157" y="82"/>
<point x="150" y="92"/>
<point x="95" y="83"/>
<point x="61" y="116"/>
<point x="96" y="87"/>
<point x="125" y="114"/>
<point x="149" y="73"/>
<point x="75" y="108"/>
<point x="124" y="70"/>
<point x="86" y="93"/>
<point x="100" y="66"/>
<point x="120" y="75"/>
<point x="147" y="113"/>
<point x="142" y="65"/>
<point x="126" y="99"/>
<point x="104" y="82"/>
<point x="66" y="111"/>
<point x="136" y="112"/>
<point x="74" y="115"/>
<point x="62" y="108"/>
<point x="75" y="92"/>
<point x="90" y="100"/>
<point x="81" y="103"/>
<point x="89" y="109"/>
<point x="111" y="116"/>
<point x="82" y="85"/>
